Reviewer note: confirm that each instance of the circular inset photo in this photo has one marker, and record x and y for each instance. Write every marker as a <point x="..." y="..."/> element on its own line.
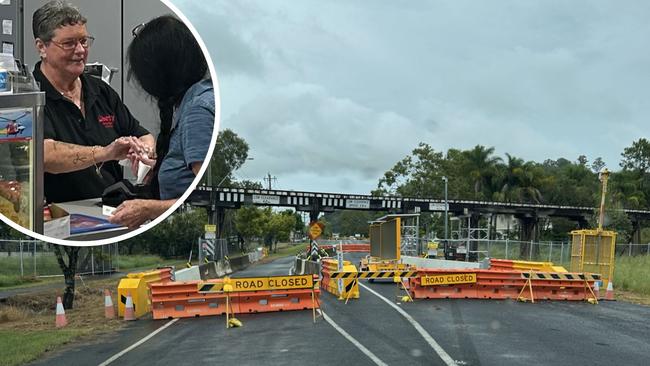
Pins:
<point x="109" y="112"/>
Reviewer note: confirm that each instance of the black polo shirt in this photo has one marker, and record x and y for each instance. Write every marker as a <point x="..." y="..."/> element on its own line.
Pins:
<point x="107" y="119"/>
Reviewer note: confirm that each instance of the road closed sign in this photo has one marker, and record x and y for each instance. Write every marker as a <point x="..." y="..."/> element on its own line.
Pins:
<point x="448" y="279"/>
<point x="272" y="283"/>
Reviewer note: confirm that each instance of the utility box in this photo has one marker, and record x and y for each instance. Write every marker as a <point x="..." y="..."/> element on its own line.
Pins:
<point x="593" y="251"/>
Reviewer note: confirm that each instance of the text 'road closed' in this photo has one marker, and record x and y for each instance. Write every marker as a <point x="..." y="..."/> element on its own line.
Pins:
<point x="448" y="279"/>
<point x="272" y="283"/>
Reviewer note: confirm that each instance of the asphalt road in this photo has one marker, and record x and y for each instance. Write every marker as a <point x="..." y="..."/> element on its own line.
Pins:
<point x="470" y="332"/>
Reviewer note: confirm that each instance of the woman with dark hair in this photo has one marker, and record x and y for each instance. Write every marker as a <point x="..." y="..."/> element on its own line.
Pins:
<point x="167" y="62"/>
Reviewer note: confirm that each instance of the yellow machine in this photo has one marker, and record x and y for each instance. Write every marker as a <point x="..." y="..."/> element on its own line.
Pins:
<point x="594" y="250"/>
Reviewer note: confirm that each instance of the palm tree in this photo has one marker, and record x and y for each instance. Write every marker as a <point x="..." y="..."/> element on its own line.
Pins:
<point x="481" y="167"/>
<point x="511" y="181"/>
<point x="528" y="184"/>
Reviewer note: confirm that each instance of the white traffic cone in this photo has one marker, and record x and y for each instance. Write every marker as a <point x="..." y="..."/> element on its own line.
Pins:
<point x="129" y="314"/>
<point x="109" y="309"/>
<point x="61" y="321"/>
<point x="609" y="295"/>
<point x="597" y="289"/>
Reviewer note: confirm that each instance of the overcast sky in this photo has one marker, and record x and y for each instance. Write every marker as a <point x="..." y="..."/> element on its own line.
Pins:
<point x="331" y="94"/>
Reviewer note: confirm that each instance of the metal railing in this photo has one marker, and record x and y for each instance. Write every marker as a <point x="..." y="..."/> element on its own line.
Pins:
<point x="38" y="259"/>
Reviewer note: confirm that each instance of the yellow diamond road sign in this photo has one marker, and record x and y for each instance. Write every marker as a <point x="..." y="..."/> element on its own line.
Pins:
<point x="315" y="230"/>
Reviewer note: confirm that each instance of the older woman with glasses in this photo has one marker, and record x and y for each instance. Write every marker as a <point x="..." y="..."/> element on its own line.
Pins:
<point x="167" y="62"/>
<point x="87" y="128"/>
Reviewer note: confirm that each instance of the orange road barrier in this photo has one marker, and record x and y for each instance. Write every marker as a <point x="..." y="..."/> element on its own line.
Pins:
<point x="269" y="301"/>
<point x="348" y="248"/>
<point x="501" y="284"/>
<point x="109" y="309"/>
<point x="129" y="313"/>
<point x="183" y="300"/>
<point x="61" y="320"/>
<point x="506" y="264"/>
<point x="609" y="294"/>
<point x="230" y="296"/>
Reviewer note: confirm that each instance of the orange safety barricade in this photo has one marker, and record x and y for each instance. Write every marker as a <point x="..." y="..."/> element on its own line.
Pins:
<point x="278" y="300"/>
<point x="182" y="300"/>
<point x="501" y="264"/>
<point x="503" y="284"/>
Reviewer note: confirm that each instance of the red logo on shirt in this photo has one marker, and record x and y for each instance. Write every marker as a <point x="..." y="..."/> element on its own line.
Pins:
<point x="107" y="121"/>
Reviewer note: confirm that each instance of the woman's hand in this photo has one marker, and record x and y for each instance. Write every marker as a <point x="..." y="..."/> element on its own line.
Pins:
<point x="117" y="150"/>
<point x="134" y="213"/>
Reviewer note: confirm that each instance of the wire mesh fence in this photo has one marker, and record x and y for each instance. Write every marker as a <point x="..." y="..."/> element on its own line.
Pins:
<point x="38" y="259"/>
<point x="557" y="252"/>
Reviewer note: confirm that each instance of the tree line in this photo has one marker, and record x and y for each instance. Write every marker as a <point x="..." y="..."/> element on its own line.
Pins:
<point x="479" y="174"/>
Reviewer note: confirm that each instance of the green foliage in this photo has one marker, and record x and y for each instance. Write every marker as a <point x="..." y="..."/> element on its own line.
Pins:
<point x="174" y="237"/>
<point x="637" y="156"/>
<point x="230" y="153"/>
<point x="478" y="174"/>
<point x="138" y="261"/>
<point x="22" y="347"/>
<point x="632" y="273"/>
<point x="253" y="222"/>
<point x="350" y="222"/>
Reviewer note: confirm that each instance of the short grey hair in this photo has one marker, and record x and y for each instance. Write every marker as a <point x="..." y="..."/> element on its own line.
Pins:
<point x="53" y="15"/>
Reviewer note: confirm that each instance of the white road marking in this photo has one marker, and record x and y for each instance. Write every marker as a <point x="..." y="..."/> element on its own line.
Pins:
<point x="360" y="346"/>
<point x="136" y="344"/>
<point x="432" y="342"/>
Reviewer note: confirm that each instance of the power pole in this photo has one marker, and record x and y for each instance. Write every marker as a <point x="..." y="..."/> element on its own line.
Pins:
<point x="269" y="179"/>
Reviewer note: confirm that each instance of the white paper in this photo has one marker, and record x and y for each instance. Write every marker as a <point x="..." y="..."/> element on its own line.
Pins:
<point x="108" y="210"/>
<point x="143" y="169"/>
<point x="5" y="2"/>
<point x="8" y="48"/>
<point x="7" y="26"/>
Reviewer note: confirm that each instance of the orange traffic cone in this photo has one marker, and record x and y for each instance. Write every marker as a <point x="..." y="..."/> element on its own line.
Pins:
<point x="109" y="310"/>
<point x="129" y="314"/>
<point x="609" y="295"/>
<point x="597" y="289"/>
<point x="61" y="321"/>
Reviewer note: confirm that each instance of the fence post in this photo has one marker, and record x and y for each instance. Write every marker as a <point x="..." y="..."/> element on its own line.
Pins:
<point x="562" y="254"/>
<point x="506" y="247"/>
<point x="22" y="271"/>
<point x="34" y="257"/>
<point x="550" y="251"/>
<point x="530" y="252"/>
<point x="648" y="250"/>
<point x="629" y="245"/>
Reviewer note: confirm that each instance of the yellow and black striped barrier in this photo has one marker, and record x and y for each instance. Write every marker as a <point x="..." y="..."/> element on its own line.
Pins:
<point x="374" y="275"/>
<point x="550" y="276"/>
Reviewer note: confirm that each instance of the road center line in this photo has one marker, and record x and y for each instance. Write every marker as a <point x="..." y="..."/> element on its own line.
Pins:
<point x="360" y="346"/>
<point x="432" y="342"/>
<point x="136" y="344"/>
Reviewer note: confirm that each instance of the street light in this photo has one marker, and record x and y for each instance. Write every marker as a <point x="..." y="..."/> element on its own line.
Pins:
<point x="446" y="207"/>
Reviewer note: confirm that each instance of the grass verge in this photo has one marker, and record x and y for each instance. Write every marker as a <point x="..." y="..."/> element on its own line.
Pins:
<point x="632" y="274"/>
<point x="22" y="347"/>
<point x="139" y="261"/>
<point x="27" y="329"/>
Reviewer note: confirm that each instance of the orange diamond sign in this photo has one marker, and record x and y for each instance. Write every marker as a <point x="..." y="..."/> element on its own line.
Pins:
<point x="315" y="230"/>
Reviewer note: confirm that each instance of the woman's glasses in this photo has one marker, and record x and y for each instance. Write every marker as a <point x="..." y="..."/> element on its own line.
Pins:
<point x="71" y="44"/>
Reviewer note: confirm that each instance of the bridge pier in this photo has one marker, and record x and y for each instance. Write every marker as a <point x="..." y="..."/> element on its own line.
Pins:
<point x="528" y="232"/>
